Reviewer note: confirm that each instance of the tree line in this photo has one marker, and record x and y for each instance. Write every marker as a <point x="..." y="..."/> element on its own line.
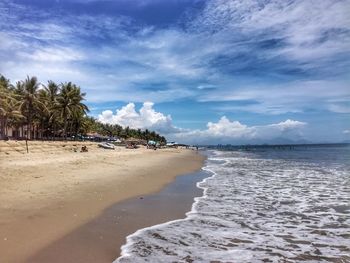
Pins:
<point x="32" y="110"/>
<point x="115" y="130"/>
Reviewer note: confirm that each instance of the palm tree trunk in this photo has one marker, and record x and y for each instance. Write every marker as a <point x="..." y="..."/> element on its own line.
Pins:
<point x="2" y="131"/>
<point x="42" y="131"/>
<point x="5" y="127"/>
<point x="30" y="109"/>
<point x="29" y="130"/>
<point x="65" y="127"/>
<point x="28" y="133"/>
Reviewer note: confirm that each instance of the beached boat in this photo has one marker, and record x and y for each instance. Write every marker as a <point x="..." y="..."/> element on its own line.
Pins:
<point x="106" y="145"/>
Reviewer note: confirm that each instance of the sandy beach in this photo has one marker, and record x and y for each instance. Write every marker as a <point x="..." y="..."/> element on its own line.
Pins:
<point x="55" y="190"/>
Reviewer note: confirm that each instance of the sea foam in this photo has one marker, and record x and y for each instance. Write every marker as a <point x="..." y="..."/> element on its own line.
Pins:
<point x="256" y="209"/>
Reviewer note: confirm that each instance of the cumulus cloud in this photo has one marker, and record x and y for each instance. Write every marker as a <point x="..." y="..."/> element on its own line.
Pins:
<point x="288" y="125"/>
<point x="222" y="131"/>
<point x="145" y="118"/>
<point x="224" y="127"/>
<point x="234" y="132"/>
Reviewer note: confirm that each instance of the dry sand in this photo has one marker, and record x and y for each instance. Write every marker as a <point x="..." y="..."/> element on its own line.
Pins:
<point x="52" y="191"/>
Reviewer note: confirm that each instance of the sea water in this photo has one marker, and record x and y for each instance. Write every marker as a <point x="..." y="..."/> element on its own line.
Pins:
<point x="262" y="205"/>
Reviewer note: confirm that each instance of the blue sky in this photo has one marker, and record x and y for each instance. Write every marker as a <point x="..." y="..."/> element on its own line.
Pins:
<point x="197" y="71"/>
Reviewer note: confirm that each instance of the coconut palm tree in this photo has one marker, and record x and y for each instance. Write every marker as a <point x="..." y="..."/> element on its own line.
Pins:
<point x="6" y="104"/>
<point x="9" y="110"/>
<point x="69" y="104"/>
<point x="49" y="114"/>
<point x="29" y="100"/>
<point x="52" y="90"/>
<point x="2" y="110"/>
<point x="4" y="83"/>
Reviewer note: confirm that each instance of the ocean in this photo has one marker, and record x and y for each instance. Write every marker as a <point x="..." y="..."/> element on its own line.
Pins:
<point x="269" y="204"/>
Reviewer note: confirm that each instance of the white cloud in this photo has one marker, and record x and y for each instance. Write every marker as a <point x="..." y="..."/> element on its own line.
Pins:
<point x="52" y="54"/>
<point x="234" y="132"/>
<point x="339" y="108"/>
<point x="288" y="125"/>
<point x="146" y="118"/>
<point x="311" y="30"/>
<point x="278" y="99"/>
<point x="223" y="131"/>
<point x="346" y="131"/>
<point x="224" y="127"/>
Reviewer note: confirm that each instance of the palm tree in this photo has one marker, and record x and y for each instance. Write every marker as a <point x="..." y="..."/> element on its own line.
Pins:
<point x="8" y="105"/>
<point x="69" y="104"/>
<point x="52" y="90"/>
<point x="4" y="95"/>
<point x="9" y="110"/>
<point x="48" y="97"/>
<point x="4" y="84"/>
<point x="29" y="100"/>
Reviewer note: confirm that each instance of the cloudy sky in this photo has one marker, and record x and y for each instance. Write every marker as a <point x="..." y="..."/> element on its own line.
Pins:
<point x="198" y="71"/>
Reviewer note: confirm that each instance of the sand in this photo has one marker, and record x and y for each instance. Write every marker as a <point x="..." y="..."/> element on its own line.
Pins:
<point x="100" y="239"/>
<point x="53" y="191"/>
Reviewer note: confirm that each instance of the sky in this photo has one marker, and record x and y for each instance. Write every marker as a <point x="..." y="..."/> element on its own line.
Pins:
<point x="197" y="71"/>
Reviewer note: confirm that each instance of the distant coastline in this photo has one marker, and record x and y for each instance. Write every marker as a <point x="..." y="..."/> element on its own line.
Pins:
<point x="276" y="146"/>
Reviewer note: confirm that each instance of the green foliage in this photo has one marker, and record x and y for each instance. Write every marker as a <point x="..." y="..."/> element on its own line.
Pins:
<point x="55" y="111"/>
<point x="118" y="131"/>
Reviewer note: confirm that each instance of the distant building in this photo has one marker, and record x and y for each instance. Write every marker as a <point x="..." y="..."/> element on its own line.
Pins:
<point x="22" y="132"/>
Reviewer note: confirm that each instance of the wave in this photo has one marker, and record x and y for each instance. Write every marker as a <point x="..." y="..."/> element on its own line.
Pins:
<point x="255" y="210"/>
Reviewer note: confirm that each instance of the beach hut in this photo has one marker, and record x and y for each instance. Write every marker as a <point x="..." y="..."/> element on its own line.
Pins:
<point x="152" y="144"/>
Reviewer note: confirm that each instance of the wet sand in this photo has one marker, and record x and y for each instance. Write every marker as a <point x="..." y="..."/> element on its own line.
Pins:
<point x="100" y="239"/>
<point x="47" y="197"/>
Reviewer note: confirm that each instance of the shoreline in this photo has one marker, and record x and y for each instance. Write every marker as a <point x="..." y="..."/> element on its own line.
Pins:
<point x="108" y="232"/>
<point x="45" y="197"/>
<point x="198" y="192"/>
